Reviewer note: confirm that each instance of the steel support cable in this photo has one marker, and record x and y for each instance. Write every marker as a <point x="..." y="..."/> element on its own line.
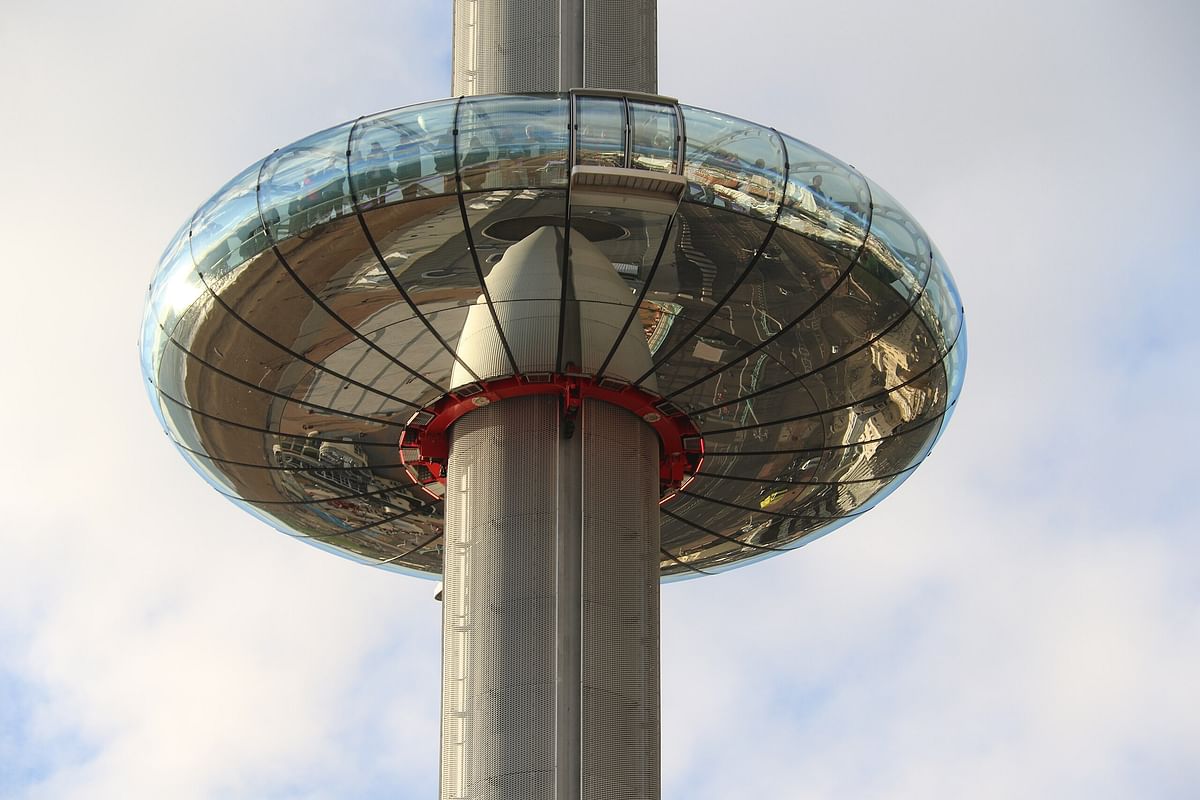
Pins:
<point x="287" y="397"/>
<point x="750" y="265"/>
<point x="466" y="221"/>
<point x="383" y="263"/>
<point x="317" y="300"/>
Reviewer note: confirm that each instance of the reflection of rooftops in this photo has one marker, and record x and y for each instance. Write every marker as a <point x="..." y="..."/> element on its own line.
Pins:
<point x="341" y="467"/>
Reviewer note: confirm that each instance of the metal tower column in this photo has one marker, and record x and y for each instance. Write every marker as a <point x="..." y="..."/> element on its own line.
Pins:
<point x="550" y="628"/>
<point x="518" y="46"/>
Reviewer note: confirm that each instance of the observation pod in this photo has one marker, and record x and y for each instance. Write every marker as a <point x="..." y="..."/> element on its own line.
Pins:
<point x="766" y="336"/>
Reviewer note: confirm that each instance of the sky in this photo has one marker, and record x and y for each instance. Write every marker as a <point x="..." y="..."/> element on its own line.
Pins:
<point x="1021" y="619"/>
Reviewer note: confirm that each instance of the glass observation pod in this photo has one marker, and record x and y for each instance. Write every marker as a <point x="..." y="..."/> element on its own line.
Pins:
<point x="799" y="321"/>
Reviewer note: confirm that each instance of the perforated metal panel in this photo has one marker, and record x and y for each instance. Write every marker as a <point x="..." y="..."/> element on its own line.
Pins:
<point x="498" y="605"/>
<point x="509" y="731"/>
<point x="505" y="46"/>
<point x="620" y="606"/>
<point x="621" y="45"/>
<point x="521" y="46"/>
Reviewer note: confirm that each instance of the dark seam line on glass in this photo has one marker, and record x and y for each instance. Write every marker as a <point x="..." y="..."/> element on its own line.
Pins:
<point x="680" y="142"/>
<point x="330" y="468"/>
<point x="466" y="221"/>
<point x="941" y="360"/>
<point x="637" y="304"/>
<point x="683" y="564"/>
<point x="267" y="431"/>
<point x="564" y="270"/>
<point x="192" y="258"/>
<point x="739" y="453"/>
<point x="349" y="328"/>
<point x="379" y="257"/>
<point x="715" y="309"/>
<point x="313" y="295"/>
<point x="728" y="504"/>
<point x="288" y="350"/>
<point x="372" y="493"/>
<point x="626" y="134"/>
<point x="762" y="482"/>
<point x="782" y="201"/>
<point x="722" y="536"/>
<point x="409" y="552"/>
<point x="282" y="396"/>
<point x="804" y="315"/>
<point x="360" y="528"/>
<point x="322" y="536"/>
<point x="762" y="247"/>
<point x="908" y="311"/>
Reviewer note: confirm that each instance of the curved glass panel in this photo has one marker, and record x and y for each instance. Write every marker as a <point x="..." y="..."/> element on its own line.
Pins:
<point x="655" y="133"/>
<point x="733" y="164"/>
<point x="600" y="131"/>
<point x="907" y="254"/>
<point x="403" y="154"/>
<point x="793" y="309"/>
<point x="227" y="229"/>
<point x="506" y="142"/>
<point x="174" y="289"/>
<point x="826" y="200"/>
<point x="941" y="305"/>
<point x="304" y="184"/>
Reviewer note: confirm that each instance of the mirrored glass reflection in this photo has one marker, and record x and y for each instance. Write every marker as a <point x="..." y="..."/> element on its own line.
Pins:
<point x="655" y="133"/>
<point x="227" y="229"/>
<point x="906" y="252"/>
<point x="174" y="289"/>
<point x="733" y="164"/>
<point x="600" y="131"/>
<point x="513" y="141"/>
<point x="825" y="200"/>
<point x="404" y="154"/>
<point x="305" y="184"/>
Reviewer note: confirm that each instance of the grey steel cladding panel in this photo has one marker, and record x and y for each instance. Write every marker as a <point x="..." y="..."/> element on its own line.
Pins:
<point x="505" y="46"/>
<point x="620" y="606"/>
<point x="621" y="45"/>
<point x="498" y="605"/>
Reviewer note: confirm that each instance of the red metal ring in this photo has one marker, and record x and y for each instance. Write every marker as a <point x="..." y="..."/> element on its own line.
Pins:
<point x="425" y="444"/>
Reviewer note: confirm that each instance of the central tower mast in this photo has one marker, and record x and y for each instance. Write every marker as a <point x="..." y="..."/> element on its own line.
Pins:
<point x="522" y="46"/>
